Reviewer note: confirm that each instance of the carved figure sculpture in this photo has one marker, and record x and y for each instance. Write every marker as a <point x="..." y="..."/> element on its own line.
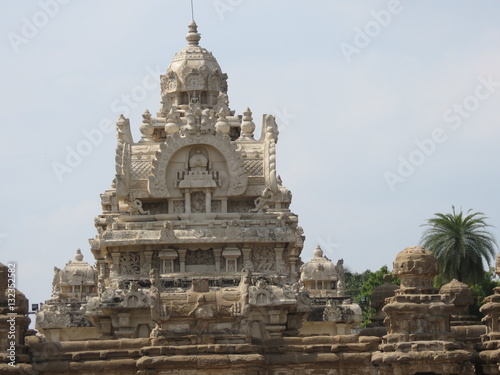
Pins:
<point x="135" y="208"/>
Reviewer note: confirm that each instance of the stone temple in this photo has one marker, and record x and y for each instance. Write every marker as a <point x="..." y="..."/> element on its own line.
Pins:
<point x="198" y="269"/>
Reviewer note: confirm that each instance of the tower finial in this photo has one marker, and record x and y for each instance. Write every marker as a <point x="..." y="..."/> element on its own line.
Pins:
<point x="192" y="10"/>
<point x="78" y="255"/>
<point x="193" y="37"/>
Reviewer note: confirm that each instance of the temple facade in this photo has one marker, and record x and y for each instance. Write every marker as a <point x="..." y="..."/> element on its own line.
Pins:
<point x="196" y="235"/>
<point x="198" y="268"/>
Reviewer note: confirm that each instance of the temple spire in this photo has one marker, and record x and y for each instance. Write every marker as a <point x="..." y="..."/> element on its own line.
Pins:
<point x="193" y="37"/>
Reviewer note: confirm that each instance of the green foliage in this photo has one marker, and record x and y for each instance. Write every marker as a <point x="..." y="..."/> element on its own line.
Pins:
<point x="354" y="281"/>
<point x="360" y="287"/>
<point x="460" y="242"/>
<point x="482" y="290"/>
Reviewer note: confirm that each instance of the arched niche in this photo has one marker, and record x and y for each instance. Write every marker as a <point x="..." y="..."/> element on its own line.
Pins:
<point x="197" y="167"/>
<point x="174" y="152"/>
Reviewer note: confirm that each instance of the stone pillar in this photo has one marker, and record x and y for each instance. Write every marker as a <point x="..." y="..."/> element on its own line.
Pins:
<point x="279" y="258"/>
<point x="293" y="267"/>
<point x="223" y="203"/>
<point x="101" y="265"/>
<point x="124" y="330"/>
<point x="277" y="321"/>
<point x="182" y="259"/>
<point x="116" y="264"/>
<point x="147" y="261"/>
<point x="105" y="325"/>
<point x="208" y="201"/>
<point x="217" y="254"/>
<point x="187" y="202"/>
<point x="247" y="261"/>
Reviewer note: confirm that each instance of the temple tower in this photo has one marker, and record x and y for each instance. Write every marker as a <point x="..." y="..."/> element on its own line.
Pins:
<point x="491" y="340"/>
<point x="62" y="318"/>
<point x="196" y="234"/>
<point x="332" y="312"/>
<point x="419" y="337"/>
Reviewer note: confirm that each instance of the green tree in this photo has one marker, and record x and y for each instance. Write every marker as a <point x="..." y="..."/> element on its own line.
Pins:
<point x="460" y="242"/>
<point x="353" y="283"/>
<point x="360" y="287"/>
<point x="483" y="289"/>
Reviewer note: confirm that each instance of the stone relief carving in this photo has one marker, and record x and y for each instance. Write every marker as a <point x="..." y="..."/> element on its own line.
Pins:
<point x="232" y="229"/>
<point x="282" y="268"/>
<point x="202" y="309"/>
<point x="122" y="158"/>
<point x="194" y="82"/>
<point x="261" y="294"/>
<point x="239" y="206"/>
<point x="216" y="206"/>
<point x="200" y="257"/>
<point x="135" y="299"/>
<point x="341" y="272"/>
<point x="140" y="169"/>
<point x="214" y="81"/>
<point x="282" y="195"/>
<point x="56" y="282"/>
<point x="135" y="207"/>
<point x="238" y="178"/>
<point x="46" y="319"/>
<point x="130" y="263"/>
<point x="223" y="104"/>
<point x="165" y="105"/>
<point x="262" y="201"/>
<point x="198" y="175"/>
<point x="263" y="259"/>
<point x="101" y="286"/>
<point x="254" y="167"/>
<point x="179" y="207"/>
<point x="158" y="313"/>
<point x="299" y="237"/>
<point x="169" y="82"/>
<point x="156" y="208"/>
<point x="270" y="137"/>
<point x="198" y="202"/>
<point x="198" y="122"/>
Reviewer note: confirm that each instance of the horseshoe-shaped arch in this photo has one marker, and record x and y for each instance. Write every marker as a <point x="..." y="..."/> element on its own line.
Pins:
<point x="157" y="185"/>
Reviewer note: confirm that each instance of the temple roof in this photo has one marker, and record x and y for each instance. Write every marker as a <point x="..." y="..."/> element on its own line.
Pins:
<point x="319" y="268"/>
<point x="415" y="260"/>
<point x="194" y="71"/>
<point x="78" y="272"/>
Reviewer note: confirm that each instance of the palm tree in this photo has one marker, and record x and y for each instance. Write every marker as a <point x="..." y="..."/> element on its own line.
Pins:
<point x="460" y="242"/>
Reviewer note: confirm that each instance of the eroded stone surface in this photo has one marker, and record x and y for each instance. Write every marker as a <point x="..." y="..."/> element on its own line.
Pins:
<point x="196" y="235"/>
<point x="419" y="337"/>
<point x="197" y="265"/>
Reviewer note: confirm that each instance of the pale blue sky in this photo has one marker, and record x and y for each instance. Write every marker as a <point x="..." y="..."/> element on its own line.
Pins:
<point x="346" y="119"/>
